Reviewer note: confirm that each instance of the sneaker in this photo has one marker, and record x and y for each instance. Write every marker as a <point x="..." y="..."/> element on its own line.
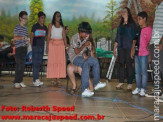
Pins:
<point x="100" y="85"/>
<point x="41" y="83"/>
<point x="17" y="85"/>
<point x="36" y="83"/>
<point x="23" y="85"/>
<point x="152" y="94"/>
<point x="87" y="93"/>
<point x="136" y="91"/>
<point x="142" y="92"/>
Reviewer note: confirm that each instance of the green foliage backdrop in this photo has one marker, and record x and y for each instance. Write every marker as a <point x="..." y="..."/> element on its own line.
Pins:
<point x="35" y="7"/>
<point x="101" y="28"/>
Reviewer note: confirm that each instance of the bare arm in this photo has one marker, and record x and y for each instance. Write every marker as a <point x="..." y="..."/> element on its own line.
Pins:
<point x="16" y="37"/>
<point x="64" y="37"/>
<point x="48" y="37"/>
<point x="78" y="50"/>
<point x="93" y="50"/>
<point x="133" y="44"/>
<point x="87" y="43"/>
<point x="133" y="49"/>
<point x="114" y="49"/>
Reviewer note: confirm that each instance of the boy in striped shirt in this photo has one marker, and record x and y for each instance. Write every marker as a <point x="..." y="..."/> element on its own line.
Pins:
<point x="20" y="38"/>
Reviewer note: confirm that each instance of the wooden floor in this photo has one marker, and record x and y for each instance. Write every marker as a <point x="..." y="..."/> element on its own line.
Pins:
<point x="115" y="105"/>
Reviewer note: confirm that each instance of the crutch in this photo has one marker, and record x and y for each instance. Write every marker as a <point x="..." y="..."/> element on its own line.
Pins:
<point x="111" y="67"/>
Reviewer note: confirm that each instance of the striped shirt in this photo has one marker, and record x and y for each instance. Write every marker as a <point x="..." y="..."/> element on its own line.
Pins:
<point x="157" y="31"/>
<point x="20" y="31"/>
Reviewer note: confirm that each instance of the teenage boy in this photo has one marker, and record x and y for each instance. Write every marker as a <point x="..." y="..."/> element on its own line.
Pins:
<point x="79" y="44"/>
<point x="21" y="40"/>
<point x="139" y="49"/>
<point x="38" y="35"/>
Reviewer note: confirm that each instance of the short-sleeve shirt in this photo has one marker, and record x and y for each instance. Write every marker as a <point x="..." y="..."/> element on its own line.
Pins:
<point x="125" y="35"/>
<point x="20" y="31"/>
<point x="157" y="31"/>
<point x="143" y="38"/>
<point x="40" y="33"/>
<point x="76" y="43"/>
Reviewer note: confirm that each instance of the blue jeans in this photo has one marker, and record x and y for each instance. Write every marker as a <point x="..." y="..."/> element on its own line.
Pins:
<point x="37" y="55"/>
<point x="141" y="64"/>
<point x="85" y="65"/>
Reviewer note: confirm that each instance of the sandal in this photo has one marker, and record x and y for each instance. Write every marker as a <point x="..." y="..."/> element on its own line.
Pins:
<point x="52" y="83"/>
<point x="59" y="85"/>
<point x="119" y="86"/>
<point x="73" y="91"/>
<point x="129" y="87"/>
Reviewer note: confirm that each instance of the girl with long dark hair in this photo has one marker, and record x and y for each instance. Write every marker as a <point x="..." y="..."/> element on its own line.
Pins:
<point x="56" y="44"/>
<point x="126" y="32"/>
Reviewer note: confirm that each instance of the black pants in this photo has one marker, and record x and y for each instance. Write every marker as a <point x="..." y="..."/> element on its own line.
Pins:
<point x="125" y="59"/>
<point x="20" y="58"/>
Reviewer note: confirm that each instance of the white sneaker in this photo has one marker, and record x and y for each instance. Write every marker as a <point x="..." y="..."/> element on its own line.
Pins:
<point x="142" y="92"/>
<point x="87" y="93"/>
<point x="41" y="83"/>
<point x="17" y="85"/>
<point x="136" y="91"/>
<point x="100" y="85"/>
<point x="36" y="83"/>
<point x="23" y="85"/>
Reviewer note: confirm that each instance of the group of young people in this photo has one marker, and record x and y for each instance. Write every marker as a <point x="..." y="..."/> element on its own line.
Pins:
<point x="144" y="45"/>
<point x="56" y="49"/>
<point x="131" y="42"/>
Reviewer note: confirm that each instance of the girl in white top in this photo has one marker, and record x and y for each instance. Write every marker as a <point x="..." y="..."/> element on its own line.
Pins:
<point x="56" y="43"/>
